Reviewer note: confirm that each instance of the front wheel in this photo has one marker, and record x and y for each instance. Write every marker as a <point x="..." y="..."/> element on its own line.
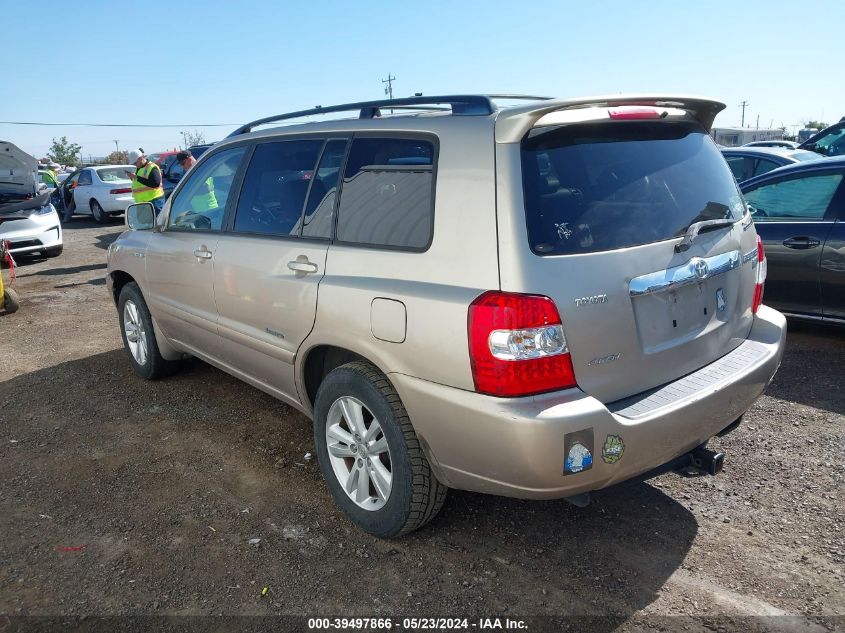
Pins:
<point x="139" y="336"/>
<point x="370" y="455"/>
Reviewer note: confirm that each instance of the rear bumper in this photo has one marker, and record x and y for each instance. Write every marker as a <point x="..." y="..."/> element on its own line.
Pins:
<point x="116" y="203"/>
<point x="515" y="447"/>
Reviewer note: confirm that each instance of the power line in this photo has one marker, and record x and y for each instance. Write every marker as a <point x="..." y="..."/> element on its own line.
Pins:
<point x="121" y="124"/>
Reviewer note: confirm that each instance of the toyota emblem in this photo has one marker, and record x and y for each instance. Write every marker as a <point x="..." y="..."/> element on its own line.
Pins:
<point x="701" y="268"/>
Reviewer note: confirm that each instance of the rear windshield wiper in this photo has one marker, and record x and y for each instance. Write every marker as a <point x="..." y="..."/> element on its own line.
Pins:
<point x="697" y="227"/>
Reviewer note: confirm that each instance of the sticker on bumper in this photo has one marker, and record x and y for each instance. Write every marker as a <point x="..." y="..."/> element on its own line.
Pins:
<point x="578" y="451"/>
<point x="613" y="449"/>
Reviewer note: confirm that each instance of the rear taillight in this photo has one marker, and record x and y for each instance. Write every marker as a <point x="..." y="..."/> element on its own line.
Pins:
<point x="125" y="190"/>
<point x="517" y="346"/>
<point x="634" y="113"/>
<point x="761" y="276"/>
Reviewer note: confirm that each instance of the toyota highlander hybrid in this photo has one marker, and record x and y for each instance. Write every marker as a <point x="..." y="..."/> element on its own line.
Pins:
<point x="537" y="301"/>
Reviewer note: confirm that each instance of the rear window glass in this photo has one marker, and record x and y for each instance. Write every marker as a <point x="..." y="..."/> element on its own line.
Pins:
<point x="113" y="174"/>
<point x="603" y="186"/>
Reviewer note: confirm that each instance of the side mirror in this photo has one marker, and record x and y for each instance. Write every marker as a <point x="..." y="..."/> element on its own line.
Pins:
<point x="141" y="216"/>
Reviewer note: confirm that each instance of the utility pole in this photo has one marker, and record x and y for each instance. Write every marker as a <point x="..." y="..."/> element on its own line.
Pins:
<point x="388" y="89"/>
<point x="743" y="105"/>
<point x="758" y="123"/>
<point x="116" y="148"/>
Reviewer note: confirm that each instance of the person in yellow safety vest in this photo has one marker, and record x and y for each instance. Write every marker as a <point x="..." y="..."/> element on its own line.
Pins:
<point x="204" y="198"/>
<point x="146" y="181"/>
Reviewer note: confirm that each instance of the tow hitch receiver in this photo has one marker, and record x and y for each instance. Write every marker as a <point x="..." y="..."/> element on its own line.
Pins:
<point x="707" y="461"/>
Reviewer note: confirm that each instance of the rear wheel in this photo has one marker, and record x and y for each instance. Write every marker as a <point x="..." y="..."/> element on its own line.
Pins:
<point x="98" y="213"/>
<point x="370" y="455"/>
<point x="139" y="336"/>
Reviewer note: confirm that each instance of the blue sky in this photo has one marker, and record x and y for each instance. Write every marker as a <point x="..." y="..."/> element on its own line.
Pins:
<point x="232" y="61"/>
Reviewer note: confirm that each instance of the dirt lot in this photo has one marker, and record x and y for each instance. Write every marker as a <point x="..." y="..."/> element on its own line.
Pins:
<point x="119" y="496"/>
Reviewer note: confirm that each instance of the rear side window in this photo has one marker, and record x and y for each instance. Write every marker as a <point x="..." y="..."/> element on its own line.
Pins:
<point x="387" y="198"/>
<point x="85" y="178"/>
<point x="275" y="187"/>
<point x="113" y="174"/>
<point x="603" y="186"/>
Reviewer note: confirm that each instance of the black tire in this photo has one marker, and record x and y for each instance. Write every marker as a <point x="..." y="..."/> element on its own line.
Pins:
<point x="54" y="252"/>
<point x="100" y="216"/>
<point x="155" y="366"/>
<point x="11" y="302"/>
<point x="416" y="495"/>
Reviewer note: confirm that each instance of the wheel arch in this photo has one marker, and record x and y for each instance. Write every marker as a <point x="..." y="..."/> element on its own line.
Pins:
<point x="319" y="361"/>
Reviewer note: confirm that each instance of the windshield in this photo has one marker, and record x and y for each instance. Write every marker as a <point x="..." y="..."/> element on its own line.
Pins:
<point x="113" y="174"/>
<point x="832" y="143"/>
<point x="610" y="185"/>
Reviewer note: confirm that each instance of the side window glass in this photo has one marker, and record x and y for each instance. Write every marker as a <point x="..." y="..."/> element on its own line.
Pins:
<point x="800" y="198"/>
<point x="319" y="211"/>
<point x="201" y="203"/>
<point x="387" y="195"/>
<point x="737" y="165"/>
<point x="275" y="187"/>
<point x="763" y="166"/>
<point x="85" y="178"/>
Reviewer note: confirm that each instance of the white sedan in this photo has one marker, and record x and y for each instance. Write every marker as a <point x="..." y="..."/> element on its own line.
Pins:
<point x="99" y="191"/>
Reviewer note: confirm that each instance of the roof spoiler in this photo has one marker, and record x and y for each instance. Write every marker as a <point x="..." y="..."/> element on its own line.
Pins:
<point x="513" y="124"/>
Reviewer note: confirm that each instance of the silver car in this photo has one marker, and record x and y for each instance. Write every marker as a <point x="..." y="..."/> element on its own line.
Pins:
<point x="535" y="301"/>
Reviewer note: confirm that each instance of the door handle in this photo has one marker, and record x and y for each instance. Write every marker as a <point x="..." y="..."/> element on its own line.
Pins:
<point x="202" y="253"/>
<point x="801" y="242"/>
<point x="303" y="266"/>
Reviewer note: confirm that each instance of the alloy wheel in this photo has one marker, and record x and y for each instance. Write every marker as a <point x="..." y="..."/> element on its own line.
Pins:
<point x="136" y="334"/>
<point x="359" y="453"/>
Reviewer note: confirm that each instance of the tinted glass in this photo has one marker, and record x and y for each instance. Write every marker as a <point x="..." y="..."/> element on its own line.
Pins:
<point x="387" y="195"/>
<point x="201" y="202"/>
<point x="737" y="165"/>
<point x="601" y="186"/>
<point x="800" y="198"/>
<point x="275" y="187"/>
<point x="319" y="212"/>
<point x="85" y="178"/>
<point x="763" y="166"/>
<point x="832" y="143"/>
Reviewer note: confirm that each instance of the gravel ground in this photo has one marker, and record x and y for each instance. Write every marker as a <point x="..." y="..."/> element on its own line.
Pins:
<point x="125" y="497"/>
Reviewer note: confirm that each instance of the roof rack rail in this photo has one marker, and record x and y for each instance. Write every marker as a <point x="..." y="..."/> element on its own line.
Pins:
<point x="472" y="105"/>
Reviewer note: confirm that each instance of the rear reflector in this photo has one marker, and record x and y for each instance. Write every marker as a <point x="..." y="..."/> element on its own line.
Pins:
<point x="762" y="269"/>
<point x="517" y="346"/>
<point x="634" y="112"/>
<point x="126" y="190"/>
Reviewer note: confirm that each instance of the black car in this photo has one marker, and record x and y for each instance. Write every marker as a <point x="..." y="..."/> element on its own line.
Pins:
<point x="799" y="212"/>
<point x="171" y="170"/>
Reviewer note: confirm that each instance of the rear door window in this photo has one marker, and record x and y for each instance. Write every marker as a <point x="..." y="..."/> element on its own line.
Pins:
<point x="387" y="198"/>
<point x="85" y="178"/>
<point x="275" y="187"/>
<point x="610" y="185"/>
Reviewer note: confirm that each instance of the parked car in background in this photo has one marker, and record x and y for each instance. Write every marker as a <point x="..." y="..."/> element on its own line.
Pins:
<point x="747" y="162"/>
<point x="27" y="218"/>
<point x="537" y="301"/>
<point x="159" y="157"/>
<point x="776" y="143"/>
<point x="827" y="142"/>
<point x="98" y="191"/>
<point x="172" y="172"/>
<point x="799" y="212"/>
